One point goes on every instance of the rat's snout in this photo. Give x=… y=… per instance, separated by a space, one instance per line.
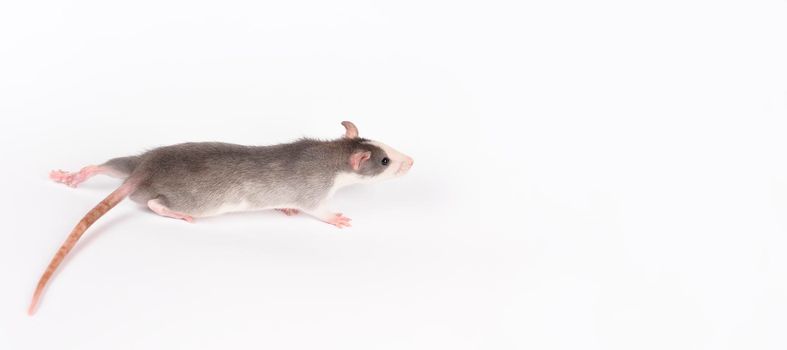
x=407 y=163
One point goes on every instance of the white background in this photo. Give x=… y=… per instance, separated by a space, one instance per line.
x=588 y=174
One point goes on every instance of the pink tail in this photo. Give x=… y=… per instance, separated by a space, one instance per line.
x=94 y=214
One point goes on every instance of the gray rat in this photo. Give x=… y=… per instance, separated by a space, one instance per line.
x=191 y=180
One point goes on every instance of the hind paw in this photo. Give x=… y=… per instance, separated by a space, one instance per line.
x=67 y=178
x=157 y=207
x=76 y=178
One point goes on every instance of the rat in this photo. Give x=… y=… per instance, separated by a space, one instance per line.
x=201 y=179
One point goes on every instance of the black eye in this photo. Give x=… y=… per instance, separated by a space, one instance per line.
x=386 y=161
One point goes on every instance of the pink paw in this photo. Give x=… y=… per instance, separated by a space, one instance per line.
x=339 y=220
x=64 y=177
x=178 y=215
x=289 y=211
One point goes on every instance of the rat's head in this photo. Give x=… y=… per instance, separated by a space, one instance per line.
x=375 y=160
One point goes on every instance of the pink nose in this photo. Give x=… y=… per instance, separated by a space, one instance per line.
x=408 y=163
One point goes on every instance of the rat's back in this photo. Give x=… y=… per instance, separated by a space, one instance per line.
x=211 y=178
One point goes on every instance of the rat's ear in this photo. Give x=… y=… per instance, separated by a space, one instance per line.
x=357 y=159
x=352 y=131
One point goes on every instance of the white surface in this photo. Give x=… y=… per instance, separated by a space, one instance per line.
x=588 y=175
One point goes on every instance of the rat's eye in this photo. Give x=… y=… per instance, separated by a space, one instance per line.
x=385 y=161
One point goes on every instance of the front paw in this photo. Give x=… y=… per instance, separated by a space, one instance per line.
x=339 y=220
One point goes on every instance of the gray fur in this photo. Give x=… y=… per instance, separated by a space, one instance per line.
x=123 y=165
x=198 y=178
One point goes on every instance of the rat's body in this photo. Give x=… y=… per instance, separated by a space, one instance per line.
x=191 y=180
